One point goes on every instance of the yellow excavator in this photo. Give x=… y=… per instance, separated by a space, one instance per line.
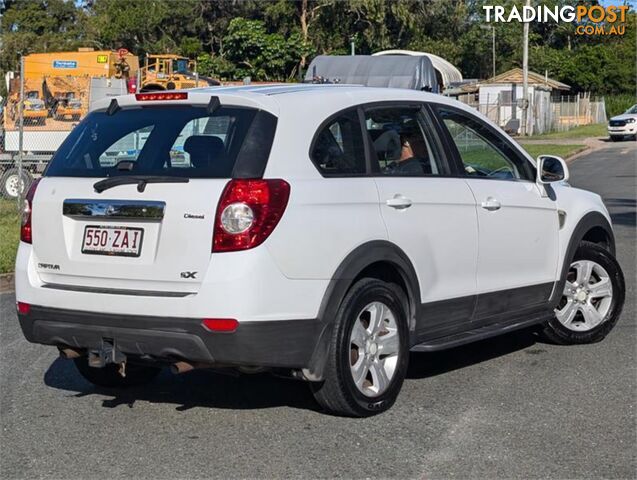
x=171 y=72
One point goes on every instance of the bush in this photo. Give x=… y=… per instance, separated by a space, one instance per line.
x=618 y=104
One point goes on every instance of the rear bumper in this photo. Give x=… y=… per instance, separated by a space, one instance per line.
x=281 y=343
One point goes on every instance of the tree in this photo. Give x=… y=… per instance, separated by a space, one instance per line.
x=275 y=40
x=39 y=26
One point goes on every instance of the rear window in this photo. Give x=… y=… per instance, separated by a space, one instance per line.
x=172 y=141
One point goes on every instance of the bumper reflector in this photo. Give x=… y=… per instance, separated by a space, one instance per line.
x=220 y=324
x=23 y=308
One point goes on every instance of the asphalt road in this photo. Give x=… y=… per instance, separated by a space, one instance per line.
x=509 y=407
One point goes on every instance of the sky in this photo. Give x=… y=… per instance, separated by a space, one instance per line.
x=608 y=3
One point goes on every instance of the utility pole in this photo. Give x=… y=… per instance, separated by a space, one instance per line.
x=352 y=42
x=525 y=76
x=492 y=27
x=493 y=47
x=20 y=132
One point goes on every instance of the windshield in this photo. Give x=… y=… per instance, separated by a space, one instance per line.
x=632 y=109
x=179 y=141
x=180 y=66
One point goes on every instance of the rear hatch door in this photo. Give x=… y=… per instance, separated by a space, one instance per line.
x=128 y=201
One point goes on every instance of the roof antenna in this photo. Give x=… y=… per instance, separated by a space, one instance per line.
x=213 y=105
x=113 y=108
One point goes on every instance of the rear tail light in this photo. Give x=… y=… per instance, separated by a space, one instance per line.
x=247 y=213
x=157 y=96
x=26 y=229
x=132 y=85
x=220 y=324
x=23 y=308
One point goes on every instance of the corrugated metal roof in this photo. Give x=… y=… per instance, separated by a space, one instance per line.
x=516 y=75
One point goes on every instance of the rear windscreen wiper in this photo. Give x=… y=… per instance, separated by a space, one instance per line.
x=141 y=181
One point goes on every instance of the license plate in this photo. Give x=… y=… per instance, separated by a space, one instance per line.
x=107 y=240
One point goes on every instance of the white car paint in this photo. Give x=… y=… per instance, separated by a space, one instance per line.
x=627 y=123
x=457 y=248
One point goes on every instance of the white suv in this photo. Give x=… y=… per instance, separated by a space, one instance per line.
x=318 y=231
x=624 y=125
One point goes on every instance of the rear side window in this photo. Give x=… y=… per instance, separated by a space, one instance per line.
x=400 y=144
x=338 y=147
x=176 y=141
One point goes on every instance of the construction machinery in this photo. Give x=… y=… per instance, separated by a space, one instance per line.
x=34 y=108
x=171 y=72
x=58 y=88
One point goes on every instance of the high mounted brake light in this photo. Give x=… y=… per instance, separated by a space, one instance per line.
x=160 y=96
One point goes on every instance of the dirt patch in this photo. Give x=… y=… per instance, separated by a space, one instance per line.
x=7 y=282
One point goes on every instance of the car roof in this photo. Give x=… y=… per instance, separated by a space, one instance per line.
x=303 y=89
x=276 y=98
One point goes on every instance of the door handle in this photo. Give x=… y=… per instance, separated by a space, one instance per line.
x=491 y=204
x=399 y=202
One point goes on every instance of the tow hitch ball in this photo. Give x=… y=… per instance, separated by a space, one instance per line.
x=107 y=353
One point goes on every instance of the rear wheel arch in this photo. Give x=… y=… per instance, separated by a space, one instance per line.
x=377 y=259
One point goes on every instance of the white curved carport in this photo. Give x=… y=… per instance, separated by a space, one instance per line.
x=448 y=72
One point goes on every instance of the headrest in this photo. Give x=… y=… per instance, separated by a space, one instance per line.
x=388 y=145
x=203 y=149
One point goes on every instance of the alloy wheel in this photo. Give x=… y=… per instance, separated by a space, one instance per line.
x=587 y=297
x=374 y=349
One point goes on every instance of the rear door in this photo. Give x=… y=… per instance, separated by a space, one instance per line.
x=156 y=232
x=518 y=224
x=429 y=214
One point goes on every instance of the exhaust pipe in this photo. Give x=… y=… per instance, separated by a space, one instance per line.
x=69 y=353
x=181 y=367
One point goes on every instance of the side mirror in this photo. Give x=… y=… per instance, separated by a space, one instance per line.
x=551 y=169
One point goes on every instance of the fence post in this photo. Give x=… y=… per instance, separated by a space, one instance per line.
x=20 y=133
x=578 y=109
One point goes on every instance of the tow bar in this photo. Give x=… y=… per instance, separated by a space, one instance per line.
x=107 y=353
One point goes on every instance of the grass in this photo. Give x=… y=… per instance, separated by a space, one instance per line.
x=560 y=150
x=9 y=234
x=596 y=130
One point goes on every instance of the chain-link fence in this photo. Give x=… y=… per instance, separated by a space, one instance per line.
x=32 y=130
x=545 y=114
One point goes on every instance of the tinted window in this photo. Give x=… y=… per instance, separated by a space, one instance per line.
x=338 y=147
x=483 y=152
x=401 y=145
x=176 y=141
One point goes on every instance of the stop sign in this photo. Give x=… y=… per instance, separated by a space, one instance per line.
x=122 y=52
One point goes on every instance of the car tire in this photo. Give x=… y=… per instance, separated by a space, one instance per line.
x=615 y=138
x=109 y=377
x=356 y=348
x=604 y=268
x=10 y=185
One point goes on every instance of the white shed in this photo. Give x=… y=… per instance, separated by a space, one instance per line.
x=500 y=97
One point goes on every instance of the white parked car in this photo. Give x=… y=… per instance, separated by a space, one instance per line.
x=319 y=231
x=624 y=125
